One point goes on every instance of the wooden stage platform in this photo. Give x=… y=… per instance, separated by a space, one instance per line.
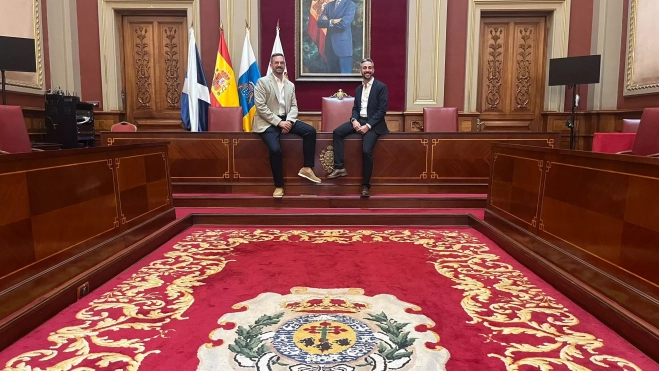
x=405 y=163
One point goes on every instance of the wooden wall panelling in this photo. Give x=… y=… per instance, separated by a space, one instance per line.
x=587 y=123
x=311 y=118
x=596 y=212
x=60 y=206
x=103 y=121
x=414 y=121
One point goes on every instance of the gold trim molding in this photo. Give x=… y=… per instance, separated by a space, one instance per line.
x=631 y=86
x=557 y=43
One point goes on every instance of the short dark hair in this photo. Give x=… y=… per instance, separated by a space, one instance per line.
x=367 y=60
x=276 y=55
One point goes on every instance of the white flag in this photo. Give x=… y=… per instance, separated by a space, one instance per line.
x=195 y=97
x=277 y=48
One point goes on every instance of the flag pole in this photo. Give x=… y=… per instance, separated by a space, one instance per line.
x=277 y=23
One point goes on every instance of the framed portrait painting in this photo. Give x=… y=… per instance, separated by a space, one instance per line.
x=331 y=38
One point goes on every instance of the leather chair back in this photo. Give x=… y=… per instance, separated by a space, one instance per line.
x=13 y=133
x=630 y=125
x=335 y=112
x=123 y=127
x=440 y=119
x=647 y=135
x=225 y=119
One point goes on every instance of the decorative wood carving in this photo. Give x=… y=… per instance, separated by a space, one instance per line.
x=341 y=94
x=524 y=69
x=172 y=68
x=143 y=80
x=512 y=74
x=154 y=61
x=494 y=69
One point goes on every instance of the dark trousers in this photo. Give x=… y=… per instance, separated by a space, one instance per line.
x=368 y=143
x=336 y=64
x=271 y=138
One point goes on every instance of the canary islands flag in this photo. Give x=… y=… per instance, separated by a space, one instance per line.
x=224 y=88
x=277 y=48
x=249 y=75
x=195 y=98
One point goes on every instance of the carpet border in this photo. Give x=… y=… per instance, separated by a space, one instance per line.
x=635 y=330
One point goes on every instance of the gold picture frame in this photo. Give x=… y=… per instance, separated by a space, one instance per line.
x=642 y=69
x=26 y=81
x=312 y=64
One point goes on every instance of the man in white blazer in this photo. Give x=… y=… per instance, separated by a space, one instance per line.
x=276 y=113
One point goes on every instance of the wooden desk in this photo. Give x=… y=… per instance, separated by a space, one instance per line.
x=404 y=162
x=594 y=216
x=64 y=214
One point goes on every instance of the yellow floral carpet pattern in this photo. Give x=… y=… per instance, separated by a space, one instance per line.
x=121 y=328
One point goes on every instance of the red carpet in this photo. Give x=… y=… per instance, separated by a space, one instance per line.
x=184 y=211
x=404 y=299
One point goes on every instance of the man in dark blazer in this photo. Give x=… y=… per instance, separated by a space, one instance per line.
x=337 y=19
x=368 y=120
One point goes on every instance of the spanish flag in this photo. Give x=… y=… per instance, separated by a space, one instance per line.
x=224 y=90
x=317 y=34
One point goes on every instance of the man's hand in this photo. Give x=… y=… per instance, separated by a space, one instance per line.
x=363 y=129
x=355 y=124
x=335 y=21
x=285 y=126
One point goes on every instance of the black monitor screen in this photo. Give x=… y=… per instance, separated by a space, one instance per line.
x=17 y=54
x=575 y=70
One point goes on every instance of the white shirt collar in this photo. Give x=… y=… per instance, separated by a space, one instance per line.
x=369 y=83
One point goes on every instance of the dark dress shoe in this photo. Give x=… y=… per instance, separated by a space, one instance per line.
x=366 y=193
x=337 y=173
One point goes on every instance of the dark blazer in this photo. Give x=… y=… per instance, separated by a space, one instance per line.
x=376 y=108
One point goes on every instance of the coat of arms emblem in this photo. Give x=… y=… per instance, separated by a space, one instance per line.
x=323 y=330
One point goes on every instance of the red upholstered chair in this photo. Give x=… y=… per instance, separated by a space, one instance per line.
x=647 y=135
x=630 y=125
x=617 y=142
x=123 y=127
x=613 y=142
x=440 y=119
x=13 y=133
x=225 y=119
x=336 y=110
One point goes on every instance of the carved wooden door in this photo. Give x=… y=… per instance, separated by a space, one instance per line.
x=512 y=73
x=154 y=63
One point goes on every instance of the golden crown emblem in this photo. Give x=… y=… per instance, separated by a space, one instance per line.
x=326 y=305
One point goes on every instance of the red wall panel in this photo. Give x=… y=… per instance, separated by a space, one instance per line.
x=581 y=30
x=388 y=51
x=456 y=49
